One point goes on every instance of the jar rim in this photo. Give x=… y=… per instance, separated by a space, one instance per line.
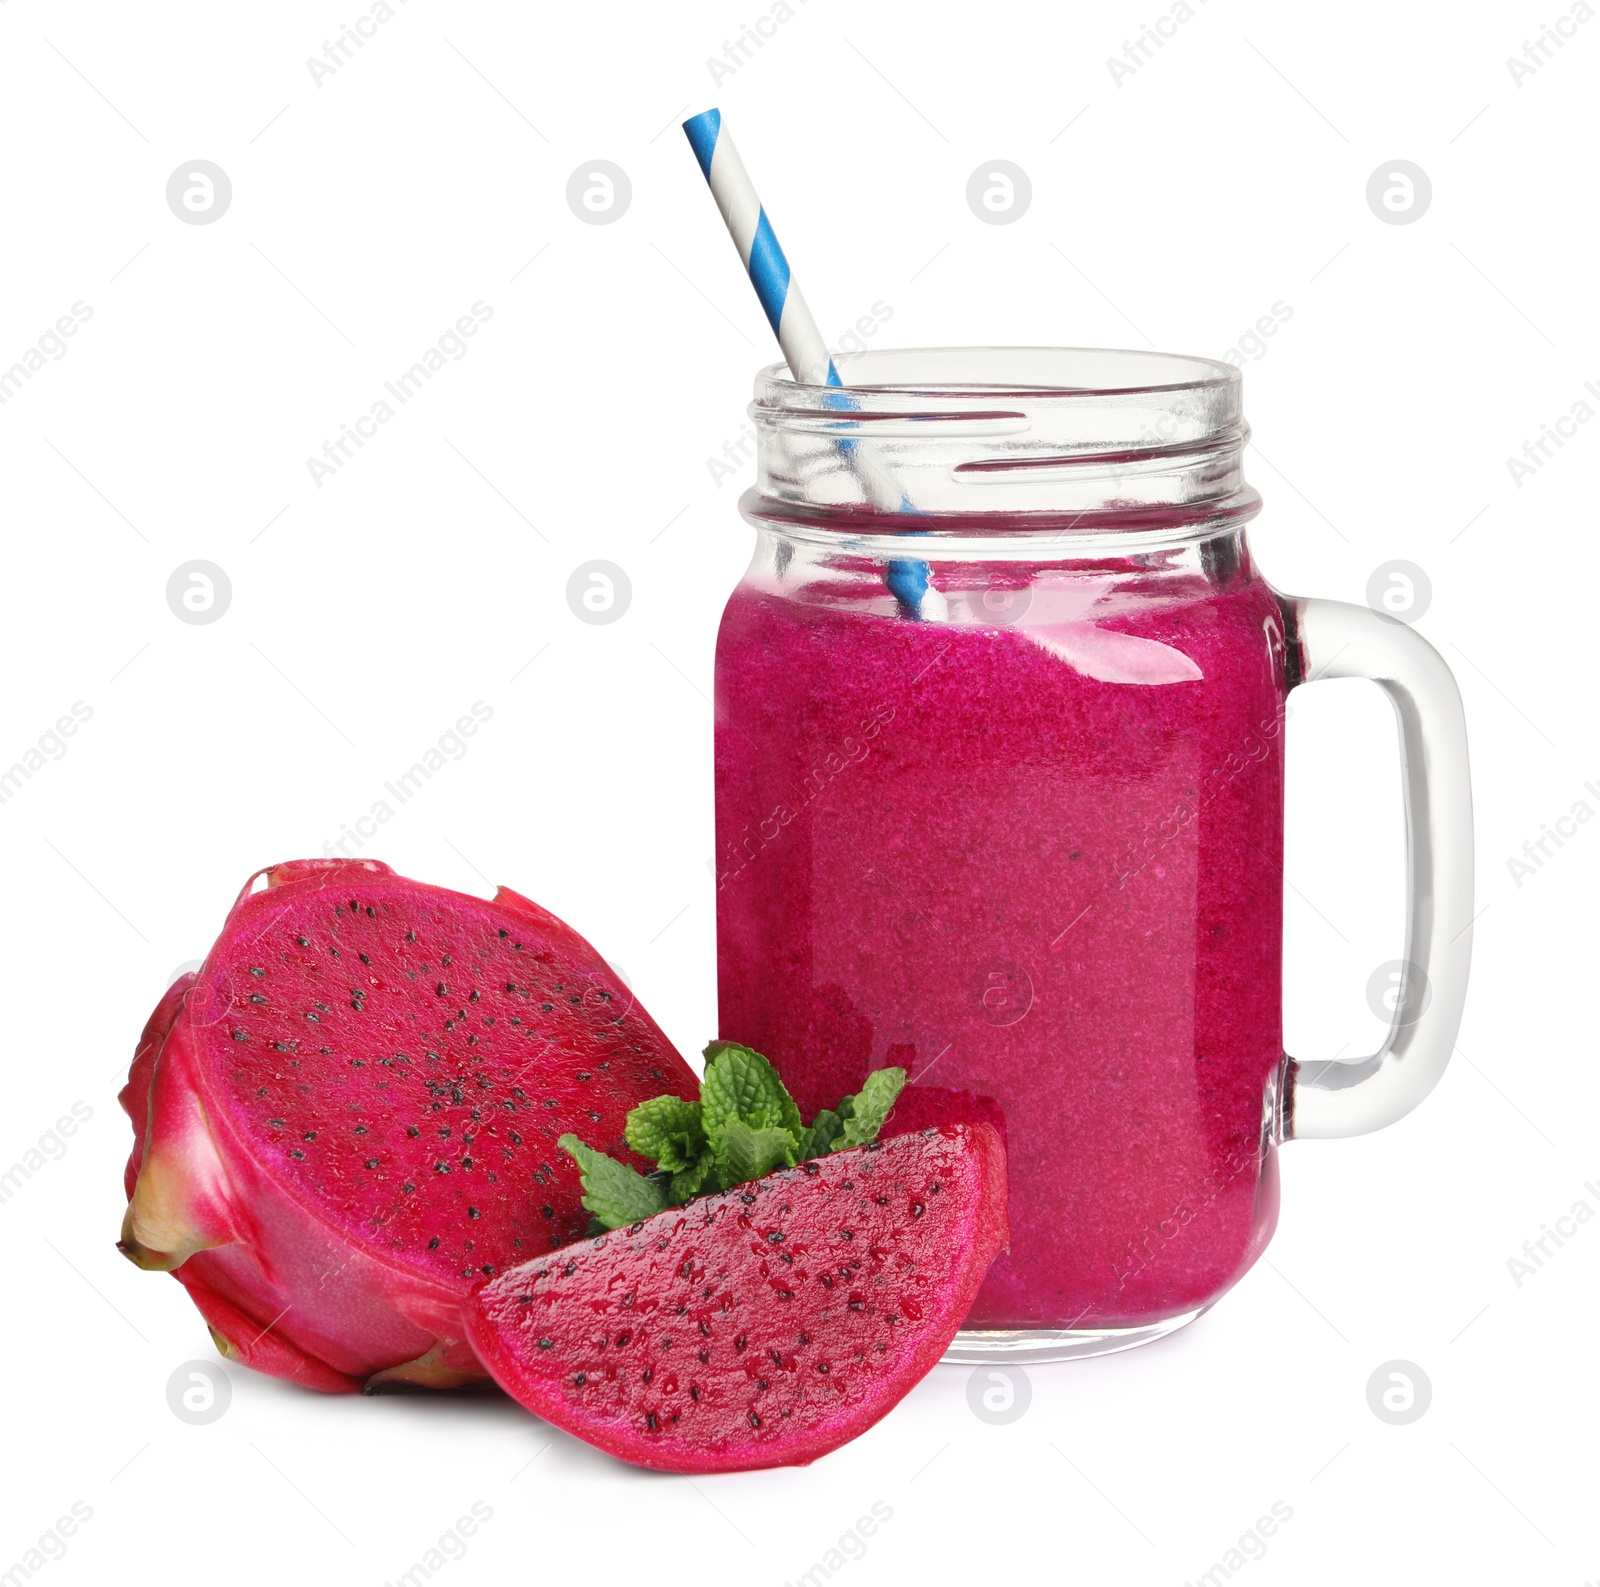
x=876 y=377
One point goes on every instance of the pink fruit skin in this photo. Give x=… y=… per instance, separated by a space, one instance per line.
x=287 y=1286
x=688 y=1342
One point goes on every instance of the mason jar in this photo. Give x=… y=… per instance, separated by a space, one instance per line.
x=1000 y=800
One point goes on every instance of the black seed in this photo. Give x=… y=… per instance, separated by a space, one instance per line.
x=546 y=1342
x=363 y=958
x=433 y=1244
x=413 y=1131
x=466 y=1162
x=504 y=932
x=360 y=1129
x=774 y=1237
x=650 y=1421
x=372 y=1162
x=822 y=1366
x=297 y=1154
x=515 y=1139
x=441 y=1168
x=238 y=1035
x=304 y=942
x=256 y=997
x=472 y=1212
x=310 y=1135
x=277 y=1124
x=578 y=1380
x=372 y=914
x=255 y=969
x=407 y=1188
x=411 y=936
x=441 y=989
x=809 y=1168
x=755 y=1421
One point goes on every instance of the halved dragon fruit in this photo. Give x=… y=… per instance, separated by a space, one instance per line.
x=348 y=1117
x=765 y=1325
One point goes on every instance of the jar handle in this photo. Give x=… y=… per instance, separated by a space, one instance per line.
x=1351 y=1097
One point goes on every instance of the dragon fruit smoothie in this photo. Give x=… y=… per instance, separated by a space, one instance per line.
x=1037 y=862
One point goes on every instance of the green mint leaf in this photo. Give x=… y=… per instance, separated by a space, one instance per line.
x=740 y=1084
x=667 y=1130
x=869 y=1107
x=616 y=1194
x=743 y=1153
x=818 y=1141
x=695 y=1177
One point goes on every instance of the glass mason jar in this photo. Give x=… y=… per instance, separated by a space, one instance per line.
x=1000 y=799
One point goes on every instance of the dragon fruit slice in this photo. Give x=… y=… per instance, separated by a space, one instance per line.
x=348 y=1117
x=763 y=1326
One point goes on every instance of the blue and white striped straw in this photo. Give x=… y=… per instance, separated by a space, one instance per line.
x=804 y=350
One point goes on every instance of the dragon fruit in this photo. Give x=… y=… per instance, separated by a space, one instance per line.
x=762 y=1326
x=347 y=1118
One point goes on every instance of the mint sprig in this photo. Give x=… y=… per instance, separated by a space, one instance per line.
x=744 y=1126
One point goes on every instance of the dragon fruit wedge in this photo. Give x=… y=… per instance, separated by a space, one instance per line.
x=347 y=1118
x=764 y=1325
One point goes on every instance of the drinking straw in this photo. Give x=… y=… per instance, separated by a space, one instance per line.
x=803 y=348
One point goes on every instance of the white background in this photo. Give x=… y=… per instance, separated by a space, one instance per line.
x=1226 y=174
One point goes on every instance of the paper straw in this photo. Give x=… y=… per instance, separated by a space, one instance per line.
x=804 y=350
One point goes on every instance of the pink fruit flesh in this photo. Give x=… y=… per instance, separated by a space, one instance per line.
x=764 y=1326
x=349 y=1116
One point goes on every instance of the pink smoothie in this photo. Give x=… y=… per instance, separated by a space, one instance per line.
x=1037 y=863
